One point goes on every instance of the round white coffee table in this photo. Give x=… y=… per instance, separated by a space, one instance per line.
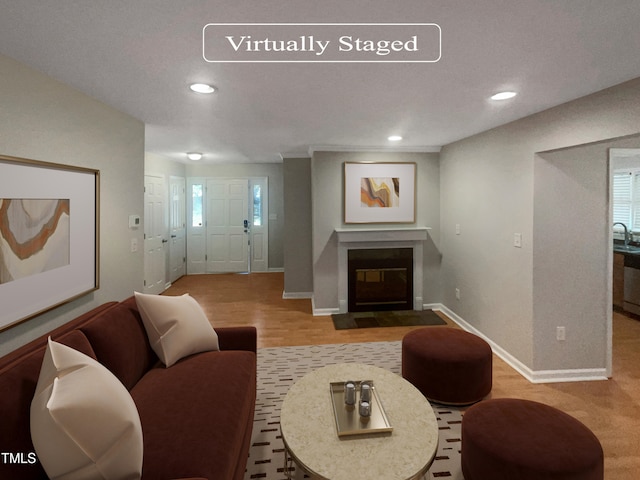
x=310 y=436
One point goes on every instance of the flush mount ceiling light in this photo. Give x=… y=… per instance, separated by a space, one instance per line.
x=202 y=88
x=394 y=138
x=194 y=156
x=503 y=95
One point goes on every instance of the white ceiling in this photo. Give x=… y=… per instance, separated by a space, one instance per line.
x=139 y=56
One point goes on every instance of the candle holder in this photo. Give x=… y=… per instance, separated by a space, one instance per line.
x=358 y=410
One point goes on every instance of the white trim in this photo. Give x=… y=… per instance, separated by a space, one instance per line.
x=539 y=376
x=373 y=149
x=274 y=270
x=322 y=312
x=295 y=295
x=380 y=234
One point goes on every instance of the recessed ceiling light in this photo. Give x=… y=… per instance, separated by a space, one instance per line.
x=202 y=88
x=394 y=138
x=503 y=95
x=194 y=156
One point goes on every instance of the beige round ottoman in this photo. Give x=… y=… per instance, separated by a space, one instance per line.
x=447 y=365
x=508 y=438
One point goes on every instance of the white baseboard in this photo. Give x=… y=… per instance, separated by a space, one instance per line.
x=296 y=295
x=275 y=270
x=534 y=376
x=322 y=312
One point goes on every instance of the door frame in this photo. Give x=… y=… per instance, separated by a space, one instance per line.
x=196 y=235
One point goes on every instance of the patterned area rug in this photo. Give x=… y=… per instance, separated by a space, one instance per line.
x=280 y=368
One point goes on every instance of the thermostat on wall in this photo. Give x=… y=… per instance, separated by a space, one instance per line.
x=134 y=221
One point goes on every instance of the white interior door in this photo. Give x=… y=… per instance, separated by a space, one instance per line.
x=177 y=229
x=227 y=209
x=154 y=234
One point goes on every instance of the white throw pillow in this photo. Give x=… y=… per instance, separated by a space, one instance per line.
x=84 y=423
x=176 y=326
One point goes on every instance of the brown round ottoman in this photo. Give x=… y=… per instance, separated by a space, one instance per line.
x=508 y=439
x=447 y=365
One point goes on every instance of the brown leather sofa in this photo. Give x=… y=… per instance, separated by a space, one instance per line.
x=196 y=416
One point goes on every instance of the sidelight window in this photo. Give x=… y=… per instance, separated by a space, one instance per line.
x=197 y=200
x=257 y=205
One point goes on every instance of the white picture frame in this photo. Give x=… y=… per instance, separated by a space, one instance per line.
x=376 y=192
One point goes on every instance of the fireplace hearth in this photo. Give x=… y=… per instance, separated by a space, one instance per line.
x=380 y=279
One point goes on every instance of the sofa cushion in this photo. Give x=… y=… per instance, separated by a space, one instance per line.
x=120 y=342
x=194 y=415
x=176 y=325
x=84 y=423
x=18 y=379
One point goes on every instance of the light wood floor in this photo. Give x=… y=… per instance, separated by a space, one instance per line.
x=611 y=409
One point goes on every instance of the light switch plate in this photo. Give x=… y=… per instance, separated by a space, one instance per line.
x=517 y=240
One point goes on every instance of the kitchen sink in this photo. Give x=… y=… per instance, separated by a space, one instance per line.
x=626 y=249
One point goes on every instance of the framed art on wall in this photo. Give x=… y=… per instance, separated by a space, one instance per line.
x=48 y=236
x=379 y=192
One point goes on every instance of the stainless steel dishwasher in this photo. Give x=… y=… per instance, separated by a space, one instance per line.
x=632 y=283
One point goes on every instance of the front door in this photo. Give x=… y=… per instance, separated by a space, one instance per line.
x=227 y=243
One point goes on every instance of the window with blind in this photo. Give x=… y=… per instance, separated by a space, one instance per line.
x=626 y=199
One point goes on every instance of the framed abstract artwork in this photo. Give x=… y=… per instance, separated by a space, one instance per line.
x=379 y=192
x=48 y=236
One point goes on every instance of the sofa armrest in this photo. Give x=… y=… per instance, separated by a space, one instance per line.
x=237 y=338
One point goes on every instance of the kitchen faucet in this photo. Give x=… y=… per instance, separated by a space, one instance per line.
x=626 y=233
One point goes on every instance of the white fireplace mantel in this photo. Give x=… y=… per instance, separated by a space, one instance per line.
x=358 y=238
x=381 y=234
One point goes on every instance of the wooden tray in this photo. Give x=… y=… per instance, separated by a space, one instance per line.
x=349 y=421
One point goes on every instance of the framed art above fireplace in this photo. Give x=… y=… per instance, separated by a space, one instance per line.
x=379 y=192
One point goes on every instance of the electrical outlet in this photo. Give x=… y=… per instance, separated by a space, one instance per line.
x=457 y=294
x=134 y=245
x=457 y=229
x=561 y=334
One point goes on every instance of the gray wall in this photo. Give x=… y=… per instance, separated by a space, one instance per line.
x=327 y=215
x=494 y=184
x=298 y=265
x=45 y=120
x=273 y=171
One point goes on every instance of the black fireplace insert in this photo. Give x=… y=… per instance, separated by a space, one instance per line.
x=380 y=279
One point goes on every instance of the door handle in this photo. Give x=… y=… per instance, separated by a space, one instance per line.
x=164 y=241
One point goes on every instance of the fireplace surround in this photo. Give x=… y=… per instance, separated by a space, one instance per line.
x=381 y=238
